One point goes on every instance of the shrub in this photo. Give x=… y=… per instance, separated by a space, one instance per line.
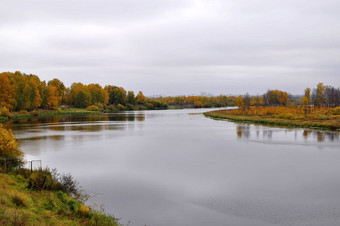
x=111 y=107
x=47 y=179
x=121 y=107
x=42 y=180
x=92 y=108
x=4 y=112
x=100 y=106
x=336 y=111
x=129 y=107
x=9 y=149
x=149 y=106
x=22 y=112
x=23 y=172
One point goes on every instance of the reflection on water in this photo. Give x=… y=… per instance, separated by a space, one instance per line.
x=176 y=168
x=244 y=131
x=51 y=130
x=72 y=122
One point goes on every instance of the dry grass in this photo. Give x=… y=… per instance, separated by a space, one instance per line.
x=323 y=118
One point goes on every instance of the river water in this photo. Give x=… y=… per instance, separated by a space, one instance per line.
x=177 y=167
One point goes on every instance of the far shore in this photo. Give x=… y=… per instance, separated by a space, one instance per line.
x=272 y=121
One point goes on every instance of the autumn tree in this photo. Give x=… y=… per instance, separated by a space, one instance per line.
x=60 y=89
x=275 y=98
x=239 y=102
x=80 y=96
x=9 y=148
x=6 y=92
x=98 y=94
x=140 y=98
x=319 y=95
x=117 y=95
x=31 y=93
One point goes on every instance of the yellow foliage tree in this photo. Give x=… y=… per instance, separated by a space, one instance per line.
x=53 y=99
x=6 y=92
x=239 y=102
x=140 y=98
x=9 y=148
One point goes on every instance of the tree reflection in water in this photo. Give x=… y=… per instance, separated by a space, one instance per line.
x=244 y=131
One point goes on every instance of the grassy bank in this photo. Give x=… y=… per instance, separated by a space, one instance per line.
x=329 y=123
x=22 y=206
x=41 y=112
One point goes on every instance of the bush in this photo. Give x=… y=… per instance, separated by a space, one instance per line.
x=9 y=149
x=47 y=179
x=24 y=172
x=100 y=106
x=42 y=180
x=92 y=108
x=121 y=107
x=149 y=106
x=336 y=111
x=129 y=107
x=4 y=112
x=111 y=107
x=22 y=112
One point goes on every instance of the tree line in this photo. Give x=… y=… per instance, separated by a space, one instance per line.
x=320 y=96
x=19 y=91
x=199 y=101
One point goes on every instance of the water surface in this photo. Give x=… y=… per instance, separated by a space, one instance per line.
x=177 y=167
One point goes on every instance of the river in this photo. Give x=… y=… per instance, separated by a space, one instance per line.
x=177 y=167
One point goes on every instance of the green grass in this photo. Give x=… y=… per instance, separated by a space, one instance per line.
x=3 y=118
x=69 y=111
x=21 y=206
x=40 y=112
x=271 y=121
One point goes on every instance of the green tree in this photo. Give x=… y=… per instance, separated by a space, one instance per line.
x=131 y=99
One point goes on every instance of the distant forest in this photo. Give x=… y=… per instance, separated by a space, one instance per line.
x=19 y=91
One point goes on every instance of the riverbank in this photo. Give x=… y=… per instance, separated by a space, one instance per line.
x=328 y=124
x=42 y=112
x=20 y=205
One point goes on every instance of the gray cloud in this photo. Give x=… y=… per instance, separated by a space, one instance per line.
x=175 y=47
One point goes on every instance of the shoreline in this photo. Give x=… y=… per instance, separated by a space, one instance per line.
x=17 y=116
x=271 y=121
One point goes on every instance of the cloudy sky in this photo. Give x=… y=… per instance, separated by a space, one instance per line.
x=175 y=47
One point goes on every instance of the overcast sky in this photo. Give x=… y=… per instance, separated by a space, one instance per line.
x=175 y=47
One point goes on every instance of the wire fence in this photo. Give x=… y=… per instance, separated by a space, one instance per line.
x=12 y=163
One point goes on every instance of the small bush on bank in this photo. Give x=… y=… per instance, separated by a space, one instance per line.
x=129 y=107
x=121 y=107
x=4 y=112
x=42 y=180
x=100 y=106
x=111 y=107
x=92 y=108
x=51 y=180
